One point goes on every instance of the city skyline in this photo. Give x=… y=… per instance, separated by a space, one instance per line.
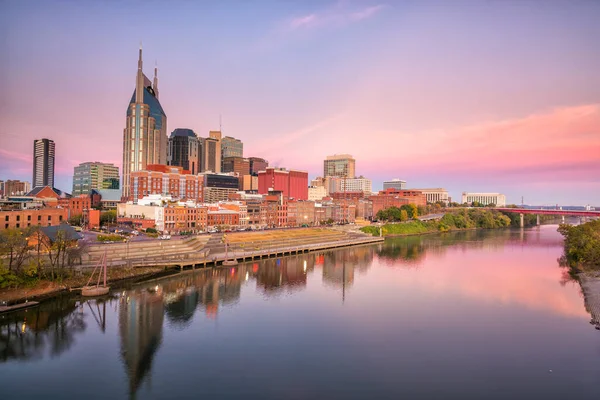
x=477 y=107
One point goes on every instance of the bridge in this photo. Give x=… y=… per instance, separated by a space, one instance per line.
x=538 y=212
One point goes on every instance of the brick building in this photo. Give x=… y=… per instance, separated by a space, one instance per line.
x=166 y=180
x=396 y=198
x=27 y=218
x=293 y=184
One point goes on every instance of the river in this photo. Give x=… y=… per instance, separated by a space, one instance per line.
x=465 y=315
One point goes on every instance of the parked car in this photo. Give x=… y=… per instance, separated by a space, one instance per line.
x=135 y=233
x=165 y=237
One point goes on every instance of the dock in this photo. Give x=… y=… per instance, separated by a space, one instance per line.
x=210 y=250
x=20 y=306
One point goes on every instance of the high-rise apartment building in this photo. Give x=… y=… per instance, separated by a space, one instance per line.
x=145 y=133
x=184 y=150
x=394 y=184
x=211 y=152
x=94 y=175
x=257 y=164
x=341 y=165
x=43 y=163
x=232 y=147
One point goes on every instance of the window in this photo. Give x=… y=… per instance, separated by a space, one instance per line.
x=5 y=226
x=39 y=217
x=6 y=218
x=60 y=217
x=18 y=225
x=29 y=218
x=49 y=217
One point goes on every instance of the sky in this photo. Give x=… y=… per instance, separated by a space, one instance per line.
x=480 y=96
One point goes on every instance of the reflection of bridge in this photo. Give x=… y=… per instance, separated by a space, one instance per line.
x=538 y=212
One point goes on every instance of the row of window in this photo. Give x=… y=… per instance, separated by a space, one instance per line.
x=6 y=226
x=39 y=218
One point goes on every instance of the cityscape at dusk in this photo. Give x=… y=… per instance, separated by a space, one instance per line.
x=300 y=199
x=489 y=97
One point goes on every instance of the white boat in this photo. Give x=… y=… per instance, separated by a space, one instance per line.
x=97 y=290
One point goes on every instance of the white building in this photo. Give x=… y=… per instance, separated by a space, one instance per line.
x=484 y=198
x=316 y=193
x=435 y=195
x=360 y=184
x=154 y=212
x=394 y=184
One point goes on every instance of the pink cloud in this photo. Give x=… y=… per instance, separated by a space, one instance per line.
x=334 y=16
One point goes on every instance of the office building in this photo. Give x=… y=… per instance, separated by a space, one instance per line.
x=184 y=150
x=211 y=152
x=231 y=147
x=435 y=195
x=249 y=183
x=166 y=180
x=499 y=200
x=96 y=176
x=218 y=187
x=257 y=164
x=239 y=165
x=316 y=193
x=14 y=188
x=145 y=133
x=340 y=165
x=43 y=163
x=291 y=183
x=397 y=184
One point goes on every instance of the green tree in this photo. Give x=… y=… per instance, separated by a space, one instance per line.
x=14 y=245
x=403 y=215
x=108 y=217
x=75 y=220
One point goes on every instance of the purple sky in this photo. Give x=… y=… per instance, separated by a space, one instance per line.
x=470 y=96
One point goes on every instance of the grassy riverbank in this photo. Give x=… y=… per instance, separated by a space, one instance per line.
x=42 y=289
x=453 y=221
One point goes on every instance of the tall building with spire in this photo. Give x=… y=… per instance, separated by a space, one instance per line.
x=145 y=133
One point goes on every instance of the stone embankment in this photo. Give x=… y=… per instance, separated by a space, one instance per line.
x=590 y=285
x=203 y=250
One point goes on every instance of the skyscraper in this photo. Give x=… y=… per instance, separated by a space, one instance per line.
x=340 y=165
x=94 y=175
x=184 y=150
x=211 y=152
x=231 y=147
x=145 y=133
x=43 y=163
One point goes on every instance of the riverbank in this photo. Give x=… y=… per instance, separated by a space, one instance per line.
x=455 y=220
x=146 y=260
x=590 y=286
x=44 y=289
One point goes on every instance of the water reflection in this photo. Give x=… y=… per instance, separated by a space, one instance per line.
x=141 y=314
x=516 y=267
x=48 y=329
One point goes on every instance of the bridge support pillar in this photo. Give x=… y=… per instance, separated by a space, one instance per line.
x=522 y=224
x=538 y=220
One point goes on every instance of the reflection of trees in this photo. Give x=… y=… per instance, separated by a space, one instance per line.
x=51 y=327
x=408 y=251
x=339 y=265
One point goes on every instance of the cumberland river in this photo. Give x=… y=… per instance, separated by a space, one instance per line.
x=467 y=315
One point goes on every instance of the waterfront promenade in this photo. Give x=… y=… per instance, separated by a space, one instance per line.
x=212 y=250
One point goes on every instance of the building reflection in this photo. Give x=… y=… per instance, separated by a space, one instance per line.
x=141 y=314
x=51 y=327
x=274 y=276
x=339 y=266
